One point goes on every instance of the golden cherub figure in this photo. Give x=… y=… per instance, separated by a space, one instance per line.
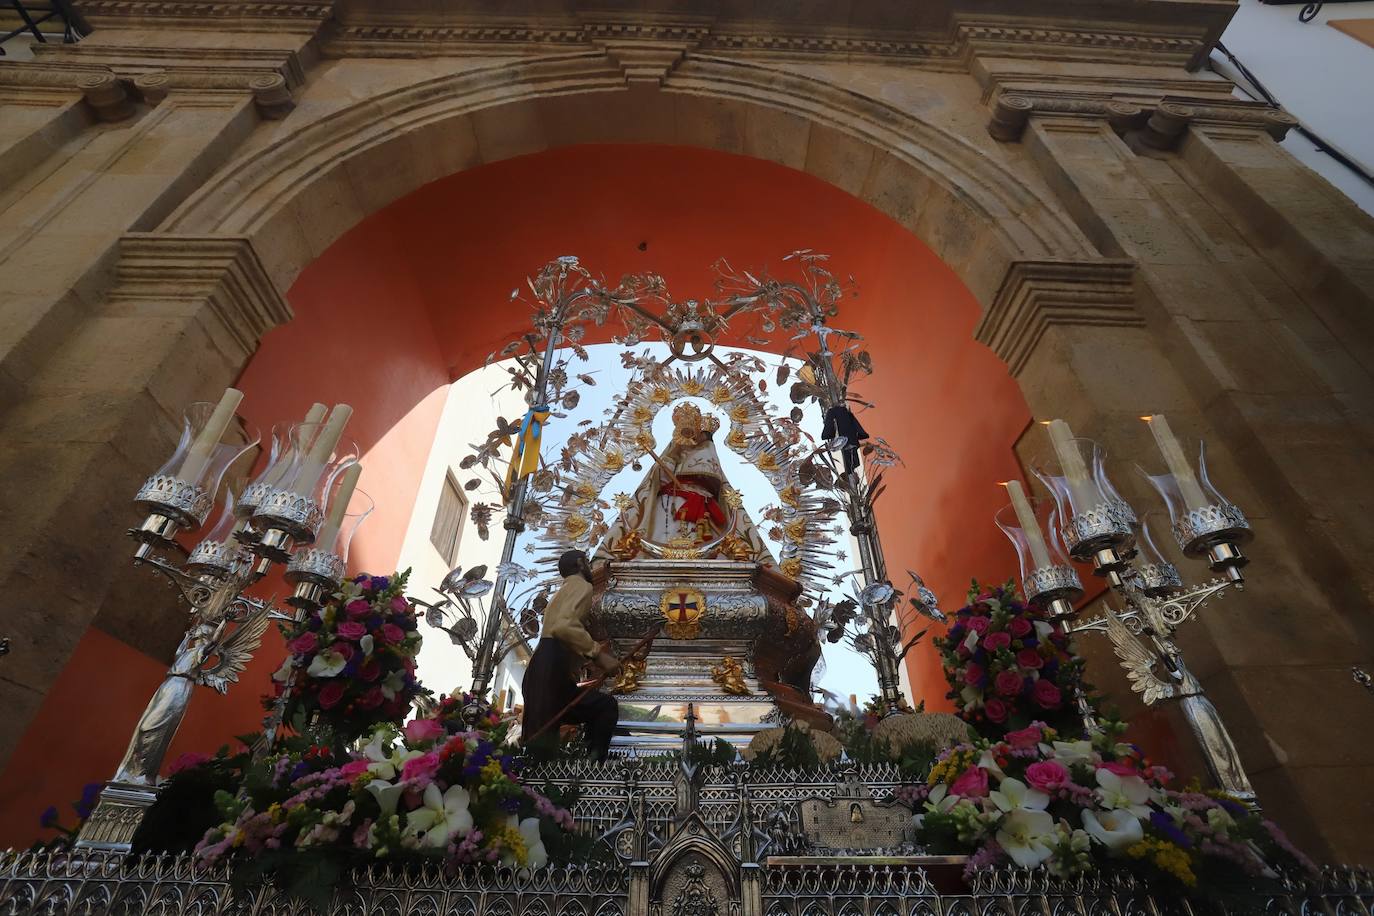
x=631 y=675
x=729 y=674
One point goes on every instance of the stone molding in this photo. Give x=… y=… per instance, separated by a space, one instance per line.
x=1037 y=295
x=223 y=271
x=196 y=68
x=299 y=15
x=1162 y=123
x=948 y=49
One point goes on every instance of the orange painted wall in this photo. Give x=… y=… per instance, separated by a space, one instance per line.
x=418 y=294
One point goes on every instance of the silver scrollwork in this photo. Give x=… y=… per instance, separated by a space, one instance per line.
x=1199 y=529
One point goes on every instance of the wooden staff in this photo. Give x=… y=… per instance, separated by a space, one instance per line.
x=642 y=646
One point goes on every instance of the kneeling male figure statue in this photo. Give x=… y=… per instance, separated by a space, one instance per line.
x=565 y=646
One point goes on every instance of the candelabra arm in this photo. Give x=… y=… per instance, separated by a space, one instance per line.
x=1179 y=608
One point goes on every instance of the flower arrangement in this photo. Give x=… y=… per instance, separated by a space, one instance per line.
x=1008 y=664
x=1073 y=807
x=352 y=662
x=446 y=788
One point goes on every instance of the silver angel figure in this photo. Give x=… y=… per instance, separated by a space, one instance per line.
x=213 y=653
x=1140 y=661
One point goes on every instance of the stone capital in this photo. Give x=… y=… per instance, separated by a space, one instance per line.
x=223 y=271
x=1037 y=295
x=1161 y=121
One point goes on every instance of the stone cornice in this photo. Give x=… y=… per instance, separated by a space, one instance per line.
x=223 y=271
x=1037 y=295
x=946 y=48
x=200 y=67
x=209 y=15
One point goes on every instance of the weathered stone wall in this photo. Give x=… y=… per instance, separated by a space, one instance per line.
x=1138 y=240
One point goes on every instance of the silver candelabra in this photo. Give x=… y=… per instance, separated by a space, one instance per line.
x=1088 y=519
x=301 y=511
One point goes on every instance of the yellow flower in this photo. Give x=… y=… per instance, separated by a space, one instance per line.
x=1167 y=857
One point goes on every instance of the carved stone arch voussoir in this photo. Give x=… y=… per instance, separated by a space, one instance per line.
x=294 y=197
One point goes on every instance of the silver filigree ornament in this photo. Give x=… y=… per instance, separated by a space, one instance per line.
x=187 y=504
x=1045 y=584
x=1198 y=530
x=1099 y=528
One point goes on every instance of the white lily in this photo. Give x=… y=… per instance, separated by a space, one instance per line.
x=971 y=640
x=536 y=856
x=1026 y=836
x=367 y=644
x=1042 y=630
x=1013 y=794
x=383 y=764
x=1114 y=829
x=326 y=664
x=1071 y=752
x=1129 y=793
x=392 y=684
x=972 y=696
x=388 y=795
x=440 y=816
x=989 y=763
x=1221 y=821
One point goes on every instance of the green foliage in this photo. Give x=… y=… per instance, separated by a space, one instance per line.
x=793 y=750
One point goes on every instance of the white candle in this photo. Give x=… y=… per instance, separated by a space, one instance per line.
x=309 y=428
x=198 y=456
x=1035 y=538
x=1081 y=485
x=329 y=531
x=319 y=453
x=1178 y=464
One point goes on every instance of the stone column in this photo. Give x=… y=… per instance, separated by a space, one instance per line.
x=102 y=413
x=106 y=333
x=1212 y=330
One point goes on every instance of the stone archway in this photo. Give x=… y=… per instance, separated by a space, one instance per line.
x=978 y=214
x=1234 y=292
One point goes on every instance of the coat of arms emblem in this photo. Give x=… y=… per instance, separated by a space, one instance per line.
x=682 y=609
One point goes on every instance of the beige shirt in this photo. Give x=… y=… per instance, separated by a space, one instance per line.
x=565 y=617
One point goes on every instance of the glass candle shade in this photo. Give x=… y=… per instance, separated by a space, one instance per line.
x=1158 y=574
x=1038 y=547
x=316 y=571
x=1089 y=507
x=344 y=457
x=279 y=457
x=219 y=551
x=182 y=491
x=1201 y=516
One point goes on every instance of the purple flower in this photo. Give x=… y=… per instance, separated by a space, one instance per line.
x=1164 y=824
x=90 y=794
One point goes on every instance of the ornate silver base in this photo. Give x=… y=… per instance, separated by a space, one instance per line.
x=116 y=817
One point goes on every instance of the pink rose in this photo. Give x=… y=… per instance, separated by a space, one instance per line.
x=391 y=633
x=370 y=670
x=996 y=710
x=1046 y=694
x=1008 y=683
x=1019 y=627
x=1029 y=658
x=999 y=640
x=372 y=699
x=353 y=769
x=358 y=607
x=962 y=651
x=187 y=761
x=343 y=649
x=331 y=694
x=419 y=731
x=1119 y=768
x=1024 y=738
x=303 y=644
x=352 y=630
x=973 y=673
x=421 y=769
x=1047 y=775
x=972 y=783
x=978 y=624
x=400 y=605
